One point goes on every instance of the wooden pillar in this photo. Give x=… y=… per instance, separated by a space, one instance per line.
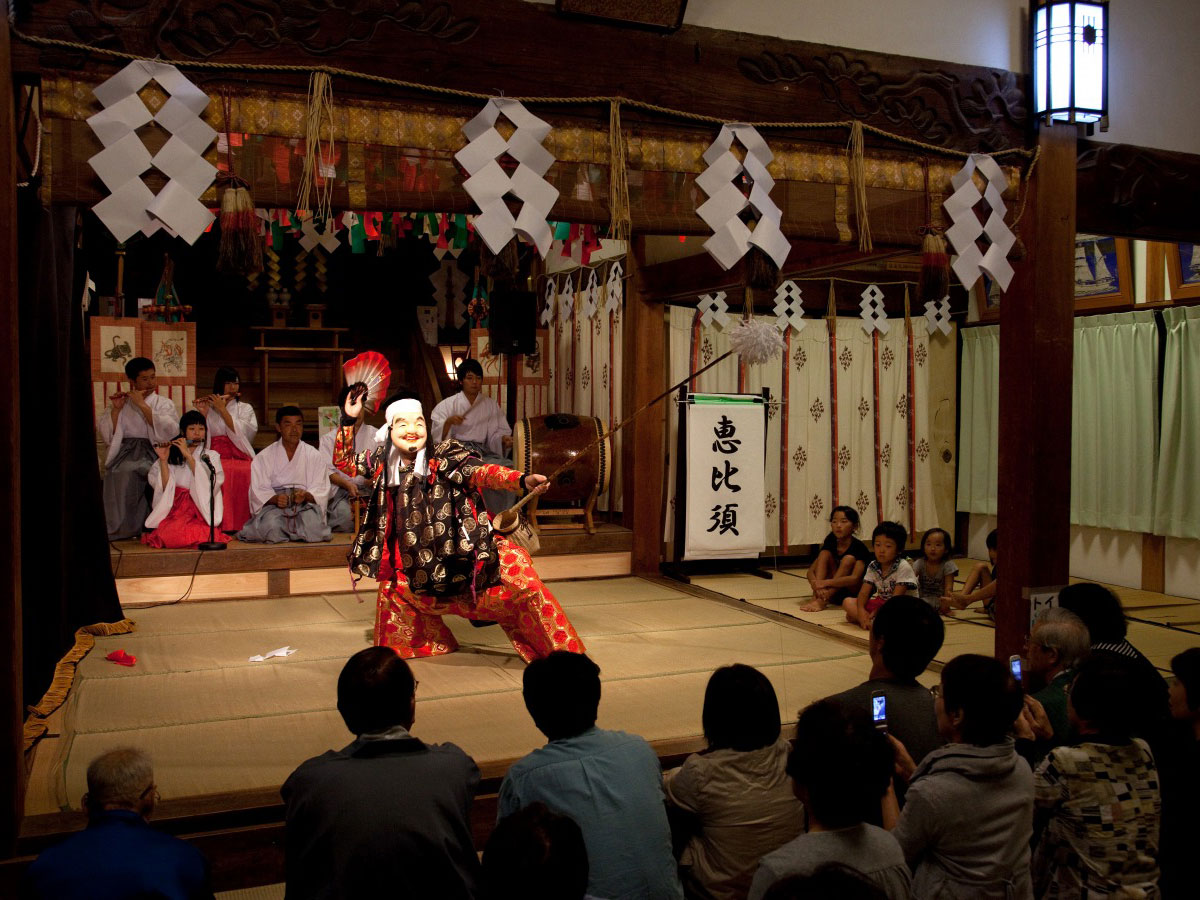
x=1036 y=348
x=643 y=450
x=12 y=766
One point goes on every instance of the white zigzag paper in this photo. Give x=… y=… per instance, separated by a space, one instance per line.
x=966 y=230
x=874 y=317
x=713 y=308
x=789 y=309
x=615 y=293
x=937 y=314
x=487 y=183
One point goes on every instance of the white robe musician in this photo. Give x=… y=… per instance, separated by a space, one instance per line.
x=289 y=487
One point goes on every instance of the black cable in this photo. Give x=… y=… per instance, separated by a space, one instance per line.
x=185 y=594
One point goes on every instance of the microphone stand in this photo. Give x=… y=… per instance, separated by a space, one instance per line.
x=212 y=543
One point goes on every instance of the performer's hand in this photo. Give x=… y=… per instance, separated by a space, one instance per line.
x=536 y=484
x=506 y=442
x=352 y=490
x=182 y=444
x=139 y=398
x=305 y=497
x=904 y=761
x=161 y=450
x=354 y=400
x=283 y=501
x=217 y=401
x=451 y=421
x=202 y=404
x=118 y=400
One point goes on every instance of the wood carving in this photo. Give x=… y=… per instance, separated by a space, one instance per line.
x=200 y=30
x=527 y=49
x=1137 y=192
x=935 y=103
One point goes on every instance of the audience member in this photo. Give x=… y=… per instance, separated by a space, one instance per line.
x=289 y=487
x=1101 y=796
x=118 y=855
x=838 y=808
x=1101 y=612
x=934 y=569
x=738 y=789
x=905 y=637
x=837 y=572
x=187 y=493
x=1179 y=766
x=477 y=422
x=346 y=488
x=831 y=881
x=889 y=575
x=387 y=814
x=1058 y=643
x=232 y=428
x=980 y=584
x=968 y=819
x=536 y=854
x=609 y=782
x=133 y=423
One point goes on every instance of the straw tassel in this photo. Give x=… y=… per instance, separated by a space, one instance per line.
x=858 y=182
x=935 y=268
x=620 y=221
x=319 y=115
x=241 y=247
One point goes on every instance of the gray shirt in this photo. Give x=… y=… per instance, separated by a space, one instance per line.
x=966 y=824
x=865 y=848
x=910 y=715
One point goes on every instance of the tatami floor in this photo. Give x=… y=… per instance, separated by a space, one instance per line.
x=215 y=722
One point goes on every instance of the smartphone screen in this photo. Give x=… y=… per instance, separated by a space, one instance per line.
x=1014 y=665
x=879 y=710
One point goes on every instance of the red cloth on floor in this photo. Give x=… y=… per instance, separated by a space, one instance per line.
x=184 y=527
x=235 y=493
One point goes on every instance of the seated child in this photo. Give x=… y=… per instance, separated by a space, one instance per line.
x=186 y=493
x=887 y=576
x=935 y=573
x=980 y=584
x=837 y=572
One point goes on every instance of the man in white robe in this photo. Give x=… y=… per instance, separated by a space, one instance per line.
x=289 y=487
x=339 y=513
x=130 y=426
x=478 y=423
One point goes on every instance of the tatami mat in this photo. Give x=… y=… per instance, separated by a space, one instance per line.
x=214 y=722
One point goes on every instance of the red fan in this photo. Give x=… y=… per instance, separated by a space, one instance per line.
x=372 y=369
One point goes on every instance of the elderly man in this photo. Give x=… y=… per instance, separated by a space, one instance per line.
x=478 y=423
x=118 y=855
x=387 y=815
x=1058 y=643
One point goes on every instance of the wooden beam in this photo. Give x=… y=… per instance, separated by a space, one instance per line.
x=12 y=707
x=1137 y=192
x=643 y=449
x=1036 y=347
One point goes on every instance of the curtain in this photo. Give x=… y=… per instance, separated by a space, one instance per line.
x=1177 y=493
x=65 y=566
x=978 y=419
x=848 y=422
x=1114 y=421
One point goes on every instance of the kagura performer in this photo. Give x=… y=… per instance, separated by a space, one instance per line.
x=427 y=539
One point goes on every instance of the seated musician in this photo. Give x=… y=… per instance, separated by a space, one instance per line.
x=289 y=487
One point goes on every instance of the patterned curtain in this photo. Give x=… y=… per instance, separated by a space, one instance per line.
x=848 y=422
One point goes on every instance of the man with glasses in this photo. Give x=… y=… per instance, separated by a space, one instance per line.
x=119 y=854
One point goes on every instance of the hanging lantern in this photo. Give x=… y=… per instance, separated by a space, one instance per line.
x=1070 y=61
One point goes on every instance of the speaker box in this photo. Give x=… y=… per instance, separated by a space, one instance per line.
x=513 y=322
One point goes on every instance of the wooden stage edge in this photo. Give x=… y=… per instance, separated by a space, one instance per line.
x=146 y=576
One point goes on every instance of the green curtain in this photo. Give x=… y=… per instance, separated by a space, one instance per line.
x=1177 y=494
x=1114 y=421
x=979 y=419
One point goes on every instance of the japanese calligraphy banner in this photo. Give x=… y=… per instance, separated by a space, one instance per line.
x=726 y=477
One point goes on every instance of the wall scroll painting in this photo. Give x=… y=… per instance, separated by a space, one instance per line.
x=1183 y=270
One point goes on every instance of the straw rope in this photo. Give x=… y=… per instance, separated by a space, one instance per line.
x=319 y=114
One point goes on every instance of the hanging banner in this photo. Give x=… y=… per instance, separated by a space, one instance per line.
x=726 y=446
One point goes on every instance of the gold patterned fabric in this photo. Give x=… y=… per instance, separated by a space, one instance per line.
x=400 y=157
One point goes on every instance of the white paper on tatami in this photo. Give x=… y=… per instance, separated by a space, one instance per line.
x=726 y=481
x=131 y=206
x=967 y=229
x=732 y=238
x=488 y=183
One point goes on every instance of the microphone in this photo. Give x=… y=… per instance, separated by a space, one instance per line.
x=208 y=462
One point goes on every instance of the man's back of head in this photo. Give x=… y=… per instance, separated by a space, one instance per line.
x=562 y=694
x=376 y=691
x=906 y=634
x=120 y=779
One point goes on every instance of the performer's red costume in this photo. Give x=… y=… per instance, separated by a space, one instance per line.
x=410 y=622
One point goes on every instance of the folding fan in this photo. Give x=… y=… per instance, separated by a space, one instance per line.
x=372 y=369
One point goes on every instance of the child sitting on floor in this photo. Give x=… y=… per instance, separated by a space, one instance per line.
x=980 y=584
x=935 y=573
x=837 y=572
x=887 y=576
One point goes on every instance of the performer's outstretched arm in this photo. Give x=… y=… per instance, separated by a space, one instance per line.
x=489 y=476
